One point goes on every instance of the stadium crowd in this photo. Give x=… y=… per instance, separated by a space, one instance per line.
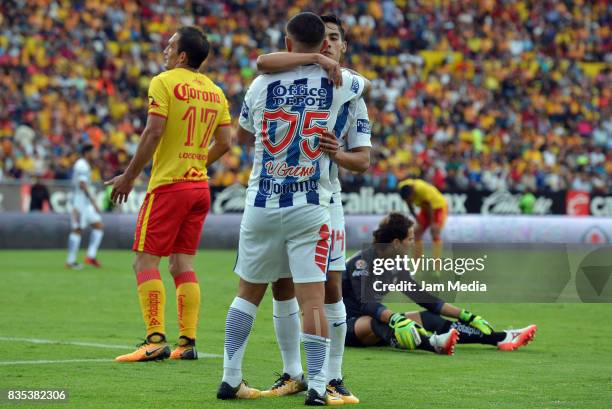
x=479 y=94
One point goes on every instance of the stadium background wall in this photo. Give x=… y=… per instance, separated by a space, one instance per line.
x=364 y=200
x=49 y=230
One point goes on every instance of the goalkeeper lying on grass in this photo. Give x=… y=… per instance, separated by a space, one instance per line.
x=371 y=323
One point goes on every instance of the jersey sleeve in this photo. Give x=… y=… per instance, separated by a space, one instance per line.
x=246 y=113
x=359 y=131
x=158 y=98
x=226 y=118
x=352 y=86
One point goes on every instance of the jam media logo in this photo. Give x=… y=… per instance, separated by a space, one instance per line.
x=363 y=126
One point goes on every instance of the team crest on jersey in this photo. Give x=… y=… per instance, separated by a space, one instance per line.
x=153 y=103
x=360 y=268
x=355 y=85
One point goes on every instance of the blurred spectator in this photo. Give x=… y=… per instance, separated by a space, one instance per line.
x=479 y=94
x=39 y=196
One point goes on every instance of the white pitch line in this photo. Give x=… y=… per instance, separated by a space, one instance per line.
x=86 y=344
x=57 y=342
x=45 y=361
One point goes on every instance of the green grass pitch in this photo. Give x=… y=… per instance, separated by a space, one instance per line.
x=569 y=365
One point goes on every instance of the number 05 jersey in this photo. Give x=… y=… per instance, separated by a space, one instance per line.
x=193 y=107
x=287 y=112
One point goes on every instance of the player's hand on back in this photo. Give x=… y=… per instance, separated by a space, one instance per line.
x=122 y=186
x=333 y=68
x=329 y=143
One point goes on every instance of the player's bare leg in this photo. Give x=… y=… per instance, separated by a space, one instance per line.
x=238 y=325
x=97 y=233
x=287 y=328
x=187 y=304
x=436 y=236
x=152 y=298
x=336 y=316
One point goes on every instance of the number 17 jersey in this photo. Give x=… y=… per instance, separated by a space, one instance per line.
x=193 y=107
x=287 y=112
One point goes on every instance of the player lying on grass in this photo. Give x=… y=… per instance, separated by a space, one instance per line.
x=348 y=145
x=371 y=323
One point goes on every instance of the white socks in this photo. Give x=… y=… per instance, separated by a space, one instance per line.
x=238 y=324
x=94 y=242
x=287 y=327
x=317 y=361
x=336 y=320
x=74 y=242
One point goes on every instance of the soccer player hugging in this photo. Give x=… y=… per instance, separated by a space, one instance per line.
x=295 y=115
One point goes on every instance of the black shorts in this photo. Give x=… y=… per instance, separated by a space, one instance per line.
x=351 y=339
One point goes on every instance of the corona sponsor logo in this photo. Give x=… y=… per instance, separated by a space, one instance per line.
x=183 y=92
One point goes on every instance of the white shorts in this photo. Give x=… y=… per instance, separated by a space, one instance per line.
x=337 y=258
x=284 y=242
x=84 y=216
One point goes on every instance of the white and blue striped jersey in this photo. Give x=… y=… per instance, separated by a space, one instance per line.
x=286 y=112
x=353 y=131
x=81 y=172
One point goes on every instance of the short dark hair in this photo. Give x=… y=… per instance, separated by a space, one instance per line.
x=332 y=18
x=306 y=28
x=406 y=191
x=86 y=148
x=193 y=42
x=393 y=226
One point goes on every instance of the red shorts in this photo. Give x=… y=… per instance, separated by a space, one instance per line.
x=171 y=219
x=439 y=218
